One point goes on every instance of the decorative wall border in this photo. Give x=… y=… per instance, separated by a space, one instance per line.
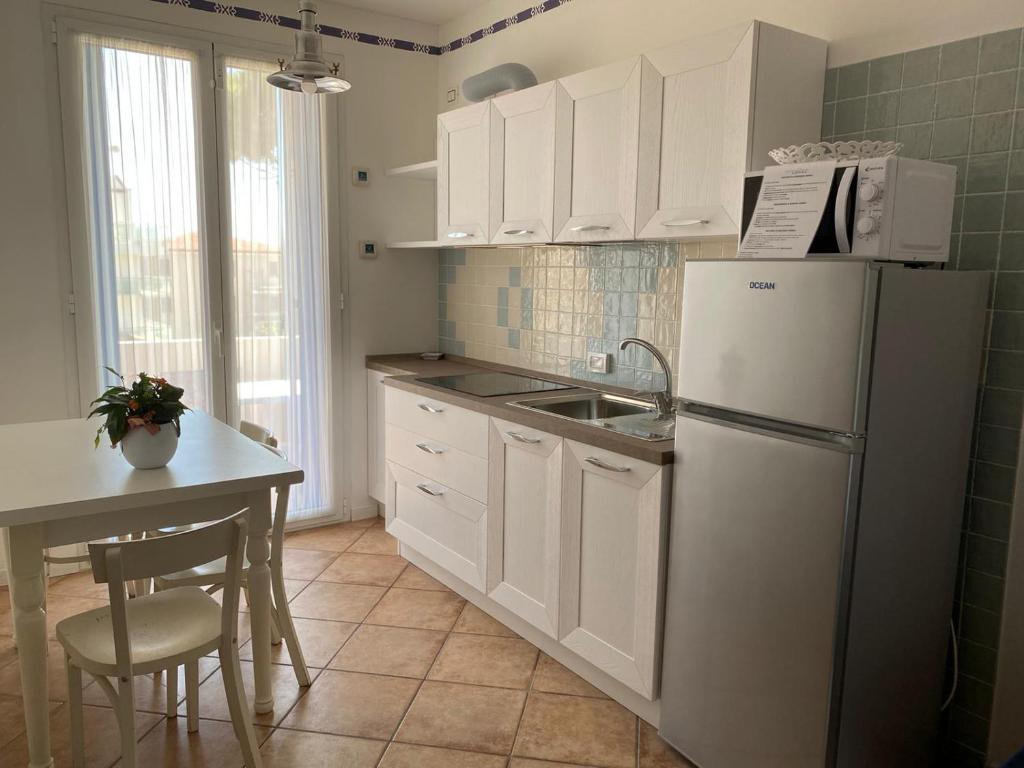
x=327 y=30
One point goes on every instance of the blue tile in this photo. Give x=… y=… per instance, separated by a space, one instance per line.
x=527 y=320
x=627 y=326
x=648 y=259
x=526 y=298
x=503 y=297
x=648 y=281
x=610 y=329
x=669 y=257
x=577 y=369
x=611 y=304
x=628 y=305
x=442 y=310
x=442 y=292
x=446 y=329
x=457 y=258
x=513 y=338
x=630 y=278
x=515 y=276
x=595 y=344
x=630 y=256
x=503 y=317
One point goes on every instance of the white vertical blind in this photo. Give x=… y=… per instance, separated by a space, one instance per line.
x=146 y=233
x=279 y=272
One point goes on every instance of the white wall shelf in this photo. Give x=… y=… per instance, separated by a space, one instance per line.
x=426 y=171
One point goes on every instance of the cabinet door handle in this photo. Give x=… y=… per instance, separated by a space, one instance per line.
x=605 y=465
x=685 y=222
x=427 y=449
x=518 y=232
x=429 y=491
x=523 y=438
x=590 y=228
x=430 y=409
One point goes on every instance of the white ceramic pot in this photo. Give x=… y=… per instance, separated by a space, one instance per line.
x=145 y=451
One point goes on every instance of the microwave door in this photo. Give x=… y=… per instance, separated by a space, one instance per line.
x=844 y=209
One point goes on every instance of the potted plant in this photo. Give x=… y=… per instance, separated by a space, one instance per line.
x=145 y=419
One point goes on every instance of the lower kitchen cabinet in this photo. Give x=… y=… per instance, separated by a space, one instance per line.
x=375 y=434
x=614 y=518
x=524 y=522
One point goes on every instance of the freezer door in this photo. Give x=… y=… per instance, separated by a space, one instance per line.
x=782 y=339
x=756 y=550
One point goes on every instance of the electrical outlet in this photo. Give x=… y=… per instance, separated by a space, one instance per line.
x=599 y=362
x=452 y=95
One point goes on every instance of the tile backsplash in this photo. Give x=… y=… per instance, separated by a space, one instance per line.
x=963 y=103
x=546 y=308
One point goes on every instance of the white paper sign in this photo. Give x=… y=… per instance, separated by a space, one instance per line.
x=788 y=211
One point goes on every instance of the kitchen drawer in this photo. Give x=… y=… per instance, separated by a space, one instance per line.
x=438 y=522
x=448 y=424
x=440 y=462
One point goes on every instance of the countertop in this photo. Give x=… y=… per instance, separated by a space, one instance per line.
x=404 y=370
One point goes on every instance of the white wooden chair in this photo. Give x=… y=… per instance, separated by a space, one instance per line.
x=159 y=632
x=212 y=576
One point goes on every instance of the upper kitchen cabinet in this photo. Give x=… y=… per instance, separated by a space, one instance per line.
x=463 y=175
x=710 y=109
x=596 y=151
x=523 y=178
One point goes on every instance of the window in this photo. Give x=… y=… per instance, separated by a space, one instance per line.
x=200 y=236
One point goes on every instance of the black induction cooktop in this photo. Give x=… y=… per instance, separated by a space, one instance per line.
x=494 y=384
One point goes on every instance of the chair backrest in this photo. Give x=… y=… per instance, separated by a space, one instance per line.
x=255 y=432
x=118 y=562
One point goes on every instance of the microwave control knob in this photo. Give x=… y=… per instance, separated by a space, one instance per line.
x=869 y=191
x=866 y=225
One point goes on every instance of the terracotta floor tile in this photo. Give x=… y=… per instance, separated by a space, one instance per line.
x=12 y=717
x=656 y=753
x=415 y=756
x=305 y=564
x=463 y=717
x=357 y=568
x=8 y=651
x=335 y=602
x=476 y=622
x=330 y=538
x=291 y=749
x=390 y=651
x=414 y=578
x=376 y=541
x=150 y=690
x=214 y=706
x=417 y=608
x=102 y=738
x=526 y=762
x=320 y=641
x=79 y=584
x=351 y=704
x=214 y=745
x=573 y=729
x=58 y=607
x=505 y=662
x=57 y=678
x=552 y=677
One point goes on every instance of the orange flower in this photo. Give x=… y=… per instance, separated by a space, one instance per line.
x=133 y=404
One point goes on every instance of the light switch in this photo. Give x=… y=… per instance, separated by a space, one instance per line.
x=367 y=249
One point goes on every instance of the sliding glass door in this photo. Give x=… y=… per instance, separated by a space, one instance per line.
x=200 y=236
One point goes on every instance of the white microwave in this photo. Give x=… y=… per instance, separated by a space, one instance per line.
x=888 y=208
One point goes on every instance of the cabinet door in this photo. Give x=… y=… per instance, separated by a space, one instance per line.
x=464 y=160
x=524 y=523
x=596 y=154
x=375 y=426
x=695 y=126
x=523 y=181
x=613 y=526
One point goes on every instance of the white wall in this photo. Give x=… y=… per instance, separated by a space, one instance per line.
x=586 y=33
x=389 y=118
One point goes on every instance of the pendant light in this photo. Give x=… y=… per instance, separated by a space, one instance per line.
x=308 y=72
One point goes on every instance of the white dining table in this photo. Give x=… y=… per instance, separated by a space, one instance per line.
x=57 y=489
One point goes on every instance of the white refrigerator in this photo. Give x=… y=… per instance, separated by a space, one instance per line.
x=822 y=451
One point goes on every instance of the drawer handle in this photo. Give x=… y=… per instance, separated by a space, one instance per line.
x=430 y=409
x=590 y=228
x=429 y=491
x=518 y=232
x=523 y=438
x=427 y=449
x=605 y=465
x=685 y=222
x=459 y=235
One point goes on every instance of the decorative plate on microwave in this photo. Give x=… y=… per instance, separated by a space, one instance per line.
x=834 y=150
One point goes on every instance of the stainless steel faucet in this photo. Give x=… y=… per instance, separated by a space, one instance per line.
x=663 y=398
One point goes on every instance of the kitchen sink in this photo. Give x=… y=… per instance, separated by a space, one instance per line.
x=637 y=418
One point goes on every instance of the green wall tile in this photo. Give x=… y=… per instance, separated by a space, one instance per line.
x=1000 y=445
x=883 y=110
x=1005 y=369
x=881 y=134
x=1014 y=215
x=990 y=518
x=852 y=81
x=991 y=133
x=917 y=140
x=850 y=115
x=1018 y=129
x=959 y=59
x=961 y=171
x=995 y=92
x=1007 y=330
x=986 y=555
x=1015 y=179
x=983 y=591
x=830 y=84
x=979 y=251
x=983 y=213
x=828 y=121
x=980 y=663
x=951 y=137
x=917 y=104
x=1000 y=50
x=973 y=695
x=885 y=74
x=987 y=173
x=1011 y=251
x=954 y=98
x=1002 y=406
x=920 y=67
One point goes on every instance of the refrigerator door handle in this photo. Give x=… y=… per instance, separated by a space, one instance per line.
x=845 y=442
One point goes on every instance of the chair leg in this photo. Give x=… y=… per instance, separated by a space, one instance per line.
x=192 y=694
x=275 y=628
x=126 y=721
x=282 y=617
x=172 y=692
x=75 y=712
x=238 y=706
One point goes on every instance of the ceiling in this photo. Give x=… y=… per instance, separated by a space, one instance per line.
x=427 y=11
